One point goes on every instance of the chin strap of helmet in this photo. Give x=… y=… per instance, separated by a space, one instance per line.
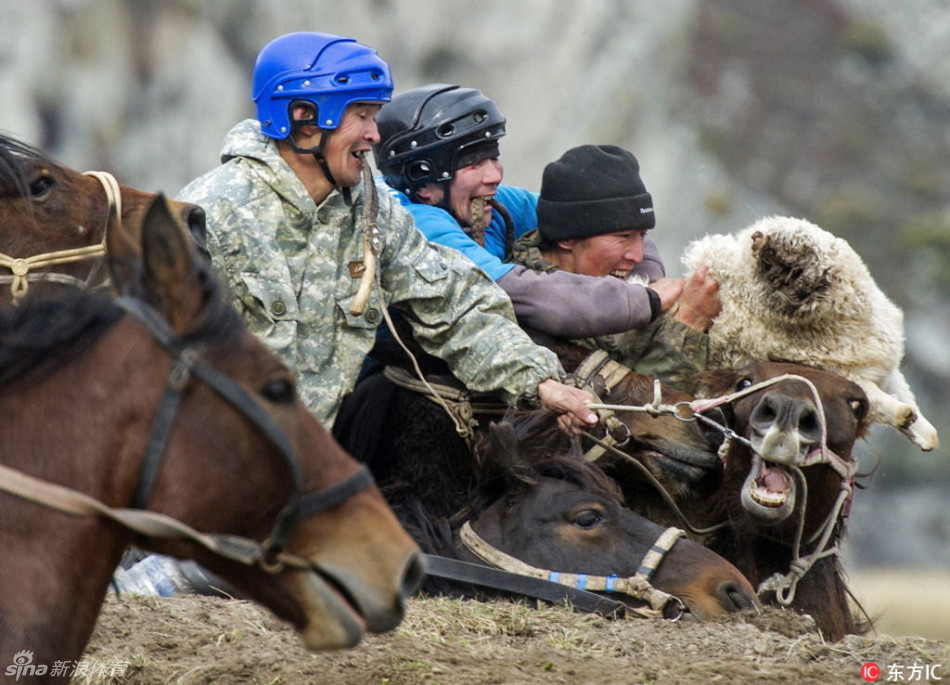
x=446 y=201
x=317 y=153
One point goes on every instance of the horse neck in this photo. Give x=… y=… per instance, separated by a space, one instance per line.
x=54 y=584
x=821 y=592
x=55 y=580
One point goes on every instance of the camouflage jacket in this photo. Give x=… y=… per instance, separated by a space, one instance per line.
x=666 y=349
x=293 y=269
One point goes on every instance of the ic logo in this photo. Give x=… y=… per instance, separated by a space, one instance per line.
x=870 y=672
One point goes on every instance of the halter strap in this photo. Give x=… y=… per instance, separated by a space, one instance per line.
x=637 y=586
x=188 y=361
x=20 y=267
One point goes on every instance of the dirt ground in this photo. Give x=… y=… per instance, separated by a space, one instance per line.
x=193 y=639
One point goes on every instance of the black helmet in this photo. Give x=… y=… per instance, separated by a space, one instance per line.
x=428 y=132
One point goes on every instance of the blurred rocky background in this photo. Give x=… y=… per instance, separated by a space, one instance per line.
x=837 y=111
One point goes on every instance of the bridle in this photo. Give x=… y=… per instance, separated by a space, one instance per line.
x=637 y=586
x=271 y=555
x=21 y=268
x=783 y=585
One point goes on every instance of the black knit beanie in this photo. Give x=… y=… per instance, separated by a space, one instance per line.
x=591 y=190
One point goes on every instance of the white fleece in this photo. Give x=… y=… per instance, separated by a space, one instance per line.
x=793 y=291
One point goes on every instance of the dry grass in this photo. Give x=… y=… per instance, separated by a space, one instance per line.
x=205 y=640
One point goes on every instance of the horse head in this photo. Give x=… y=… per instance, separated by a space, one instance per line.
x=54 y=220
x=557 y=512
x=650 y=430
x=799 y=426
x=159 y=411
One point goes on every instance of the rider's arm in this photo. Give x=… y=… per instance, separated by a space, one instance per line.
x=667 y=349
x=570 y=305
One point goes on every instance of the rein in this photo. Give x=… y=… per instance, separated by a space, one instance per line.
x=783 y=585
x=270 y=555
x=636 y=586
x=372 y=244
x=20 y=267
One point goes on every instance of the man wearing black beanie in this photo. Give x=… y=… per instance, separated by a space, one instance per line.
x=593 y=215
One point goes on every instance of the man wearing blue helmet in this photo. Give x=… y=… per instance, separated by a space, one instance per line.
x=439 y=153
x=314 y=260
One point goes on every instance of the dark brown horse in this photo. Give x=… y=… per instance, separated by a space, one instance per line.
x=388 y=425
x=556 y=512
x=666 y=456
x=429 y=474
x=161 y=400
x=53 y=220
x=787 y=484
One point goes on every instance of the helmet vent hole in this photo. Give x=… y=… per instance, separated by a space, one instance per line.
x=446 y=130
x=418 y=170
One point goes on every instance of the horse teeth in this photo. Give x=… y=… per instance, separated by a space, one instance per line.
x=767 y=498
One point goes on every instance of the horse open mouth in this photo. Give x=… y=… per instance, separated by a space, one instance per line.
x=769 y=491
x=334 y=620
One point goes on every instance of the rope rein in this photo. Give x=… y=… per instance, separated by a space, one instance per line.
x=369 y=229
x=21 y=267
x=149 y=523
x=372 y=244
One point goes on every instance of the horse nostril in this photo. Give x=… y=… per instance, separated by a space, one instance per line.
x=413 y=575
x=766 y=411
x=737 y=598
x=808 y=423
x=196 y=220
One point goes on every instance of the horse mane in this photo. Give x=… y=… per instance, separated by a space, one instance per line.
x=13 y=152
x=545 y=451
x=45 y=333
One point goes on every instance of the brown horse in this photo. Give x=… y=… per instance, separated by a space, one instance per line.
x=161 y=400
x=667 y=456
x=787 y=484
x=53 y=220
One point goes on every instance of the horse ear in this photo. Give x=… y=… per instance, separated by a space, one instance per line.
x=505 y=453
x=123 y=252
x=170 y=267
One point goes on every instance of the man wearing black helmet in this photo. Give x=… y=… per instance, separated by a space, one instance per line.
x=314 y=260
x=439 y=152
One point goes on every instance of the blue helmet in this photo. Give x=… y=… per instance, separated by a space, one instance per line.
x=330 y=72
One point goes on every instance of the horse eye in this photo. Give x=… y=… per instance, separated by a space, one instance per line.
x=280 y=392
x=40 y=188
x=588 y=518
x=859 y=408
x=743 y=384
